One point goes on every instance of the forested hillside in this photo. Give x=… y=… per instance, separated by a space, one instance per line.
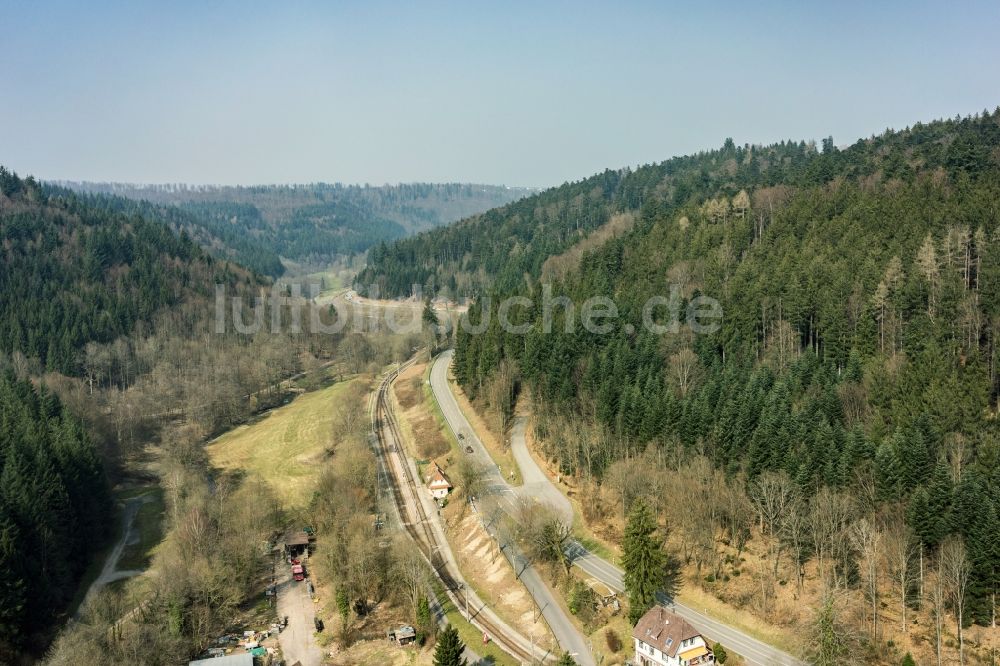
x=55 y=511
x=857 y=353
x=313 y=223
x=494 y=250
x=78 y=270
x=110 y=305
x=309 y=232
x=93 y=293
x=218 y=234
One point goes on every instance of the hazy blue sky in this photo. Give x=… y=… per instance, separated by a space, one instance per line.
x=519 y=94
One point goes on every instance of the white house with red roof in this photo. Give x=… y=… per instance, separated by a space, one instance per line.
x=438 y=483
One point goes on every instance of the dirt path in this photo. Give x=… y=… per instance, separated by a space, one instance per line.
x=130 y=536
x=298 y=643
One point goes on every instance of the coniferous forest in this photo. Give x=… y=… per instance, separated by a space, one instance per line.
x=75 y=272
x=857 y=353
x=217 y=231
x=94 y=294
x=55 y=510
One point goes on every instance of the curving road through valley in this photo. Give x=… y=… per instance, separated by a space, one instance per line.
x=538 y=488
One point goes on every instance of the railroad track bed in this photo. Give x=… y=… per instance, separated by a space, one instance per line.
x=412 y=516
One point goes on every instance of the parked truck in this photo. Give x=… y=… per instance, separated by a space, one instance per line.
x=298 y=571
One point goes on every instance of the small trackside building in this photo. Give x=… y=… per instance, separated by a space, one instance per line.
x=663 y=638
x=438 y=483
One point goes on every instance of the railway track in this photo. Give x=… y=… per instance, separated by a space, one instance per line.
x=413 y=518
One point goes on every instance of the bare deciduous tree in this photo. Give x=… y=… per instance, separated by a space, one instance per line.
x=794 y=530
x=867 y=541
x=899 y=551
x=771 y=493
x=500 y=396
x=938 y=597
x=829 y=516
x=955 y=570
x=471 y=478
x=927 y=262
x=684 y=369
x=411 y=573
x=544 y=534
x=737 y=514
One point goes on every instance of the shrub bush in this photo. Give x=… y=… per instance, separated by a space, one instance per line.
x=613 y=640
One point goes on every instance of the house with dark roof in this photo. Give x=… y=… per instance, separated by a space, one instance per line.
x=663 y=638
x=296 y=542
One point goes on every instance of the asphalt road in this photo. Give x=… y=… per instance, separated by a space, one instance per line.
x=537 y=487
x=499 y=494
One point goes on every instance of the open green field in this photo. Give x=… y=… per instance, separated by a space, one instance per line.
x=329 y=280
x=285 y=446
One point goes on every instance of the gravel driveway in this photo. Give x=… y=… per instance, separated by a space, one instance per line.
x=298 y=643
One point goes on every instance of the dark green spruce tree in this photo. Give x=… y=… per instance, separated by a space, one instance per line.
x=644 y=561
x=429 y=317
x=449 y=648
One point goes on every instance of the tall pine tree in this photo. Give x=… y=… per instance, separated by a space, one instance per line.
x=643 y=559
x=449 y=648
